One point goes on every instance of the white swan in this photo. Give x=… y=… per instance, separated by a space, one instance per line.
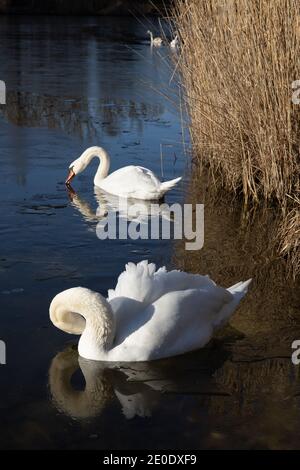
x=149 y=315
x=130 y=181
x=156 y=42
x=174 y=42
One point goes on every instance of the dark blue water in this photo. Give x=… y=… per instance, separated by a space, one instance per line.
x=73 y=83
x=68 y=89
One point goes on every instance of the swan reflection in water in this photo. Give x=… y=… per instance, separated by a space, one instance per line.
x=132 y=210
x=102 y=384
x=138 y=387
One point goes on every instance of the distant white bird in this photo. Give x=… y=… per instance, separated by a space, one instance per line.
x=174 y=42
x=156 y=42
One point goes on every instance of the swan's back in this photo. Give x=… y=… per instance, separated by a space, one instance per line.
x=161 y=314
x=132 y=181
x=142 y=282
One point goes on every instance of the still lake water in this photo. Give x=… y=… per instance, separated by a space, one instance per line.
x=73 y=83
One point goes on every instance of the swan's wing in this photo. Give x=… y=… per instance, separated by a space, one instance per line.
x=142 y=282
x=132 y=181
x=136 y=282
x=185 y=320
x=176 y=323
x=147 y=176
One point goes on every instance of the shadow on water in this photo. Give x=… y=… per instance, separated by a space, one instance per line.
x=262 y=381
x=241 y=245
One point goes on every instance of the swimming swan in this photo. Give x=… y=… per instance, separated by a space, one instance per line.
x=156 y=42
x=174 y=42
x=151 y=314
x=130 y=181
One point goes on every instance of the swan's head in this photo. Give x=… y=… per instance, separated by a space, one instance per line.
x=63 y=310
x=76 y=167
x=149 y=32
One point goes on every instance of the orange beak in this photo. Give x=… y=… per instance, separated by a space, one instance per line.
x=70 y=176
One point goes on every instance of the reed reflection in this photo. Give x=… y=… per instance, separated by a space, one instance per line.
x=86 y=118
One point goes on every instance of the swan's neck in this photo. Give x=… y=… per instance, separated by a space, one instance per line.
x=104 y=164
x=151 y=36
x=67 y=311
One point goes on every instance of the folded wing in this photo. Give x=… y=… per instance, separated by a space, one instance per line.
x=142 y=282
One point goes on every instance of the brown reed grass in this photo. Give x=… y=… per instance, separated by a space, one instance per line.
x=238 y=60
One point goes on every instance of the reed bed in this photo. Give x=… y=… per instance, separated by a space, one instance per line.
x=238 y=60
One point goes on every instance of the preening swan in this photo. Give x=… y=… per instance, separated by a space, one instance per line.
x=151 y=314
x=156 y=42
x=130 y=181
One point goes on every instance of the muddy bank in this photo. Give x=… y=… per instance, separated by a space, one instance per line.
x=82 y=7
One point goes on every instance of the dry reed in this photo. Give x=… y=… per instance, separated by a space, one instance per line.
x=238 y=60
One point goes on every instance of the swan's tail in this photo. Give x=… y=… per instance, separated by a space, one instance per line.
x=167 y=185
x=240 y=288
x=238 y=291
